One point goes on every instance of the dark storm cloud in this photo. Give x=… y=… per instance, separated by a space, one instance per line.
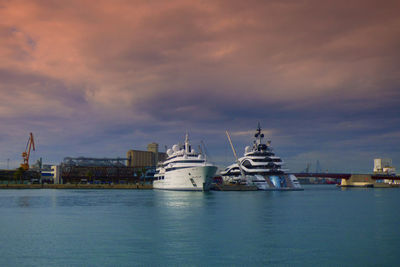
x=101 y=75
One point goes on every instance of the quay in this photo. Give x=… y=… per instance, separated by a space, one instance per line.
x=377 y=181
x=76 y=186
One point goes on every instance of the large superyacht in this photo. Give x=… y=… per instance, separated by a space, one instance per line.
x=184 y=169
x=260 y=167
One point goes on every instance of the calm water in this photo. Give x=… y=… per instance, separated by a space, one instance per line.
x=321 y=226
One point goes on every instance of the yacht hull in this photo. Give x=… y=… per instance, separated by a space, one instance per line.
x=270 y=182
x=197 y=178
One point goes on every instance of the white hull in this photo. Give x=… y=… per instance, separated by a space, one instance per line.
x=197 y=178
x=268 y=183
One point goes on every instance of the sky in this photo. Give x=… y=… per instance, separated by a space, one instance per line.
x=97 y=78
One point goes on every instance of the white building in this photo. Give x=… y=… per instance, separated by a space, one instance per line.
x=56 y=172
x=384 y=166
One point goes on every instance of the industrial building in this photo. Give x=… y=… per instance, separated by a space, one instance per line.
x=18 y=176
x=96 y=171
x=137 y=167
x=144 y=159
x=384 y=166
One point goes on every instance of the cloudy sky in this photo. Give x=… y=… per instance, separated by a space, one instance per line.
x=96 y=78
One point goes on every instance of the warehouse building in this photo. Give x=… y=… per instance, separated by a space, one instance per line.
x=142 y=159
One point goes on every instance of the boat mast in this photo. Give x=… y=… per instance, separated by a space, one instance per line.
x=187 y=150
x=234 y=153
x=258 y=134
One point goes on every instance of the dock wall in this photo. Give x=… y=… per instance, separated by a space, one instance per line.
x=366 y=180
x=358 y=180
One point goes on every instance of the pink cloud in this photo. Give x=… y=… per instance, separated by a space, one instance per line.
x=124 y=58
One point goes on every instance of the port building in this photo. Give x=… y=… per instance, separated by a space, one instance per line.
x=132 y=169
x=145 y=159
x=135 y=168
x=384 y=166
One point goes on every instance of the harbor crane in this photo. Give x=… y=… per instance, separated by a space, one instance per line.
x=26 y=154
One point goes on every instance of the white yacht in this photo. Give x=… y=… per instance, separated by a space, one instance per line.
x=261 y=167
x=184 y=169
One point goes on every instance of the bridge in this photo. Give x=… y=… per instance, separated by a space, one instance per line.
x=345 y=176
x=323 y=175
x=358 y=180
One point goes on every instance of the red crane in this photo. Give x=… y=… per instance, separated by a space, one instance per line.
x=25 y=155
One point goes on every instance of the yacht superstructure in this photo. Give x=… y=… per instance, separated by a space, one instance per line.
x=184 y=169
x=261 y=167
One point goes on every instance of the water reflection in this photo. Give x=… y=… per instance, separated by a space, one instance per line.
x=23 y=201
x=356 y=188
x=180 y=199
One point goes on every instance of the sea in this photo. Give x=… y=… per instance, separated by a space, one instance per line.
x=321 y=226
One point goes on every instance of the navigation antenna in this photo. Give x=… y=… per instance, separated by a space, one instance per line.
x=203 y=147
x=258 y=134
x=234 y=153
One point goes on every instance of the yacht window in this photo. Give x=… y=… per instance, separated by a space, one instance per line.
x=261 y=160
x=247 y=164
x=176 y=168
x=262 y=147
x=193 y=182
x=189 y=161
